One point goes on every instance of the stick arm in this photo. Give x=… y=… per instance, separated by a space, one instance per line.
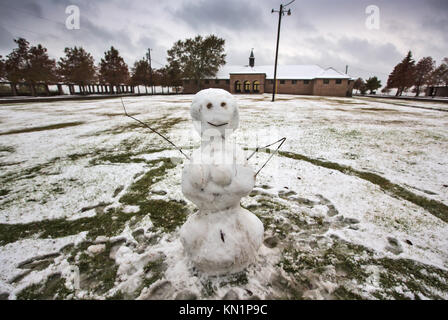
x=153 y=130
x=282 y=140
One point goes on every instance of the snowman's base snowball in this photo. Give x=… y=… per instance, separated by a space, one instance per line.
x=222 y=242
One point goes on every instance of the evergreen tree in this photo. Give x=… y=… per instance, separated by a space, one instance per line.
x=423 y=71
x=43 y=69
x=403 y=75
x=17 y=64
x=141 y=73
x=77 y=67
x=373 y=84
x=198 y=58
x=29 y=64
x=113 y=70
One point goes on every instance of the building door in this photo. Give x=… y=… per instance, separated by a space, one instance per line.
x=237 y=86
x=247 y=86
x=256 y=86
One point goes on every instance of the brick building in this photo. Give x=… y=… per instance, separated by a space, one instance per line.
x=291 y=79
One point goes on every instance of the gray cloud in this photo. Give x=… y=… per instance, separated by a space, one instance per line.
x=5 y=40
x=232 y=14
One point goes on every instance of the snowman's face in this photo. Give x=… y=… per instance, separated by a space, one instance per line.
x=214 y=110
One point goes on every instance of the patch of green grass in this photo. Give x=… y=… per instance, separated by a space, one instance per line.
x=413 y=277
x=53 y=288
x=124 y=157
x=208 y=288
x=29 y=173
x=434 y=207
x=115 y=158
x=7 y=149
x=265 y=209
x=154 y=270
x=163 y=124
x=119 y=295
x=97 y=271
x=236 y=279
x=43 y=128
x=165 y=215
x=341 y=255
x=76 y=156
x=343 y=293
x=397 y=276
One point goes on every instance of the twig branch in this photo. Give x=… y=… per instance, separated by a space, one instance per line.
x=153 y=130
x=260 y=148
x=276 y=150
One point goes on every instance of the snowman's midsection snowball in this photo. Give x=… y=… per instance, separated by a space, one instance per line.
x=218 y=191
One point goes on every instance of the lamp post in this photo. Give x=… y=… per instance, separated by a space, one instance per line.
x=281 y=12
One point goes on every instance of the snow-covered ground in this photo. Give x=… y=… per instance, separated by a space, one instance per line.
x=355 y=205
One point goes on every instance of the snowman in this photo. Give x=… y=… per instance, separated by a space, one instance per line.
x=221 y=237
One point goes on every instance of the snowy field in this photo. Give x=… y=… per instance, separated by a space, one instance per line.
x=354 y=207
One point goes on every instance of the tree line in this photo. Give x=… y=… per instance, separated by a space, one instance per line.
x=194 y=58
x=409 y=74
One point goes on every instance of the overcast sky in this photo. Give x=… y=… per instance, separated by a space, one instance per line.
x=324 y=32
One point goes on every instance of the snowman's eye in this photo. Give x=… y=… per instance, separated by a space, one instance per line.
x=209 y=105
x=223 y=104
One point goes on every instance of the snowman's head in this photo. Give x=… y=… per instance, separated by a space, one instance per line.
x=214 y=110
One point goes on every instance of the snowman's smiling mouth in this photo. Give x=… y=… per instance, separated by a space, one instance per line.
x=217 y=125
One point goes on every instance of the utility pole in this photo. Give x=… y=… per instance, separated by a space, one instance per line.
x=281 y=12
x=148 y=56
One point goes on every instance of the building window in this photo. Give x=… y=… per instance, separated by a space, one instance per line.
x=237 y=86
x=256 y=85
x=271 y=81
x=338 y=81
x=282 y=81
x=326 y=81
x=306 y=81
x=216 y=81
x=207 y=81
x=246 y=86
x=294 y=81
x=227 y=81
